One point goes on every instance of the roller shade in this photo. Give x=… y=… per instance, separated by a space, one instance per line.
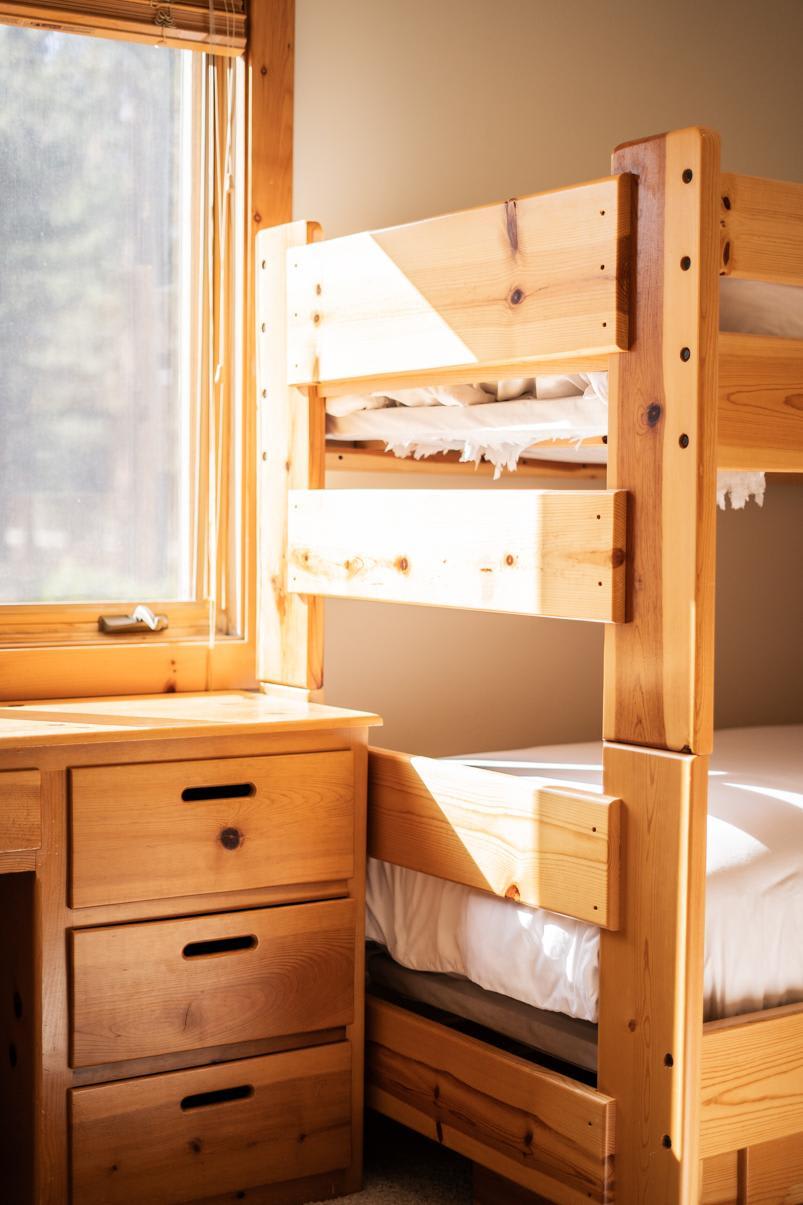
x=213 y=25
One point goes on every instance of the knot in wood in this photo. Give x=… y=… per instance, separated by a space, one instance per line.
x=230 y=838
x=653 y=414
x=517 y=296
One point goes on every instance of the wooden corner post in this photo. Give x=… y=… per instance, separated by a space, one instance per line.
x=659 y=668
x=292 y=453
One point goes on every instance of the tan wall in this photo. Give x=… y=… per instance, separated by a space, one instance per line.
x=407 y=108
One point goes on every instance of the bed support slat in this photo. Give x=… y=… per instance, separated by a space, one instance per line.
x=539 y=1129
x=539 y=277
x=496 y=832
x=760 y=404
x=529 y=552
x=752 y=1080
x=761 y=229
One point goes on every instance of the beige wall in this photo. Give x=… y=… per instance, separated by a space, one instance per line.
x=407 y=108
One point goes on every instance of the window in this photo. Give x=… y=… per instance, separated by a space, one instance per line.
x=120 y=273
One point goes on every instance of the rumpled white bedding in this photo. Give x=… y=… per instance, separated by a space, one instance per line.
x=754 y=891
x=500 y=421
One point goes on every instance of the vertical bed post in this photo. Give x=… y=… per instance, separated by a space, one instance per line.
x=659 y=668
x=291 y=443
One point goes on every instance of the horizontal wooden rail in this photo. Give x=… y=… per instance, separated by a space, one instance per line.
x=751 y=1080
x=537 y=1128
x=528 y=552
x=372 y=458
x=762 y=229
x=549 y=848
x=760 y=403
x=503 y=285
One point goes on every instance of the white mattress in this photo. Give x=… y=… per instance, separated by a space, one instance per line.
x=754 y=894
x=468 y=419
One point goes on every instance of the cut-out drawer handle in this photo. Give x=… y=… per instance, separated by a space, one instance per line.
x=224 y=790
x=219 y=945
x=202 y=1100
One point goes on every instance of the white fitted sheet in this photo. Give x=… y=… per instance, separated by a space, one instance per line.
x=754 y=891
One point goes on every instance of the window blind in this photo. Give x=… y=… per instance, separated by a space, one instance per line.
x=217 y=26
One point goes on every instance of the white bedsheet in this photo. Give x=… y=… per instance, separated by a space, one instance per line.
x=754 y=893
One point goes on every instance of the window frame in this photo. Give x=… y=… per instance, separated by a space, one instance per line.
x=55 y=649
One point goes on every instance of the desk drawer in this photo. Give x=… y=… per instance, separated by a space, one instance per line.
x=168 y=986
x=153 y=831
x=20 y=810
x=192 y=1135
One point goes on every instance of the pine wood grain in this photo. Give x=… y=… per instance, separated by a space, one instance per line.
x=760 y=413
x=503 y=284
x=497 y=833
x=534 y=552
x=291 y=440
x=20 y=811
x=752 y=1079
x=137 y=992
x=662 y=448
x=529 y=1125
x=651 y=975
x=762 y=229
x=135 y=838
x=132 y=1141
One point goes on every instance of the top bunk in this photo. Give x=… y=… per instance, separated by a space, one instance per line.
x=533 y=288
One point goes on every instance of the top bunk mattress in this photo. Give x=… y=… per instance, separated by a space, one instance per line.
x=754 y=891
x=501 y=422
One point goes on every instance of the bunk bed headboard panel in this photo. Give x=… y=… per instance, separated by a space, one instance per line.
x=761 y=229
x=504 y=285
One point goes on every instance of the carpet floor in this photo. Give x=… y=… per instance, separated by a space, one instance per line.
x=402 y=1168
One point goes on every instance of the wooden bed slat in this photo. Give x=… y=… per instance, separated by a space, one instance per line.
x=528 y=552
x=752 y=1079
x=555 y=849
x=760 y=403
x=549 y=1133
x=762 y=229
x=543 y=276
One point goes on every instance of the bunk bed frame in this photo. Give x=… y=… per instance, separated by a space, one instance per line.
x=620 y=274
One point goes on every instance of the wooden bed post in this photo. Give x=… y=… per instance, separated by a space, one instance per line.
x=659 y=669
x=292 y=443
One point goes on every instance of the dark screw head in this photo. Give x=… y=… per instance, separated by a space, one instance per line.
x=668 y=1060
x=684 y=441
x=685 y=354
x=653 y=414
x=666 y=1141
x=685 y=263
x=230 y=838
x=688 y=175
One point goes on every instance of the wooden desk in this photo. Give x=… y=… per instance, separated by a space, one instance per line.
x=181 y=969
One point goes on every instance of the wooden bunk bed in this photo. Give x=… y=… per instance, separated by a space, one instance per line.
x=621 y=274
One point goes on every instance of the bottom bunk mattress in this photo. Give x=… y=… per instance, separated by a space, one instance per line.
x=754 y=892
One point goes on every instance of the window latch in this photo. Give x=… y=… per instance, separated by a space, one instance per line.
x=141 y=619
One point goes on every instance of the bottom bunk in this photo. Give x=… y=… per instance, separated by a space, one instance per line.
x=486 y=1038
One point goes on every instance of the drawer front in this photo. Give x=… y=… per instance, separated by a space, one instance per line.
x=195 y=1134
x=20 y=810
x=167 y=829
x=167 y=986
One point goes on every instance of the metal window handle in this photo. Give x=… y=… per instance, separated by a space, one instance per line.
x=141 y=619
